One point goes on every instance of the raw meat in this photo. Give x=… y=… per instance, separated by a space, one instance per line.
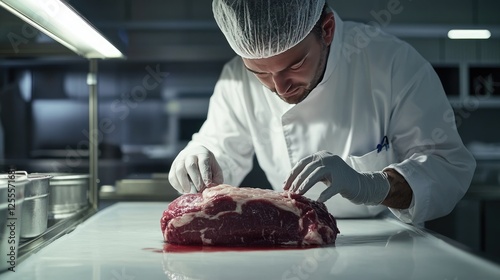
x=230 y=216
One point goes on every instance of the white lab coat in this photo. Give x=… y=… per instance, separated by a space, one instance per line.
x=375 y=85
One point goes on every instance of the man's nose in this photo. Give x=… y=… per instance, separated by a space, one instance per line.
x=281 y=83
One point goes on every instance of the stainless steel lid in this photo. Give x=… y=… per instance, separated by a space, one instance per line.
x=62 y=179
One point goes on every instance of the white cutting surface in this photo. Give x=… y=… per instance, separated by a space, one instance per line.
x=111 y=246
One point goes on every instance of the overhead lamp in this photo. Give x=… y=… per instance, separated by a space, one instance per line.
x=469 y=34
x=62 y=23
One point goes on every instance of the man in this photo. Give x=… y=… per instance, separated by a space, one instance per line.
x=328 y=107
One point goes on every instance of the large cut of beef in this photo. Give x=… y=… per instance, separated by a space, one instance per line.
x=230 y=216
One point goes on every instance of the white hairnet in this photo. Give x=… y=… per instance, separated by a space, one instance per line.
x=264 y=28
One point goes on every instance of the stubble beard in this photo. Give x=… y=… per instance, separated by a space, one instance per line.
x=318 y=76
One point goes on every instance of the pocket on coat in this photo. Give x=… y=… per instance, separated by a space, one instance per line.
x=372 y=161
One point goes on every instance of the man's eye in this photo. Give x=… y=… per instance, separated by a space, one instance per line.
x=297 y=66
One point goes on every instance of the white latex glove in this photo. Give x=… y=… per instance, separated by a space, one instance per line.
x=360 y=188
x=197 y=166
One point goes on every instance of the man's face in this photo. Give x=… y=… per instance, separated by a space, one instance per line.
x=293 y=74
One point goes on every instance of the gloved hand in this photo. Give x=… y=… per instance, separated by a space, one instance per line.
x=195 y=165
x=360 y=188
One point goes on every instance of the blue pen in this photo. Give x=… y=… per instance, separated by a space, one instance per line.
x=383 y=143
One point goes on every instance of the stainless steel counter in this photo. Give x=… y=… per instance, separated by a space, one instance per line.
x=124 y=241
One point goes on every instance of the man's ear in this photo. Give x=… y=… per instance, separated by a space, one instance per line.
x=328 y=28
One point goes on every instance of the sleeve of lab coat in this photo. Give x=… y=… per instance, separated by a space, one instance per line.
x=225 y=132
x=435 y=163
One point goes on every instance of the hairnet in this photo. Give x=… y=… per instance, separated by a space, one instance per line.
x=264 y=28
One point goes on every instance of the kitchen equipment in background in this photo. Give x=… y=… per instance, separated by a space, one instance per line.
x=152 y=185
x=449 y=75
x=484 y=81
x=149 y=187
x=34 y=218
x=484 y=151
x=68 y=194
x=11 y=202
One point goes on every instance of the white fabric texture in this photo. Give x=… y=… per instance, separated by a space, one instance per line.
x=374 y=85
x=252 y=33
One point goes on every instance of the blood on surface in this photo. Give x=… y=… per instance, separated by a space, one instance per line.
x=174 y=248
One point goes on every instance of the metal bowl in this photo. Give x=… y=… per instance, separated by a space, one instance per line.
x=11 y=203
x=36 y=205
x=68 y=194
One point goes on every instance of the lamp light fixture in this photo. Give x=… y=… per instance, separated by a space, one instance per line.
x=469 y=34
x=62 y=23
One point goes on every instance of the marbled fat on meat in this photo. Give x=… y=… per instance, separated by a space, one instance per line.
x=230 y=216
